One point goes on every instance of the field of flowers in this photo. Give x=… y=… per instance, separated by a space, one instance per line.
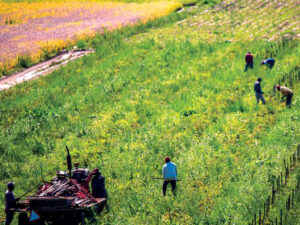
x=32 y=32
x=166 y=87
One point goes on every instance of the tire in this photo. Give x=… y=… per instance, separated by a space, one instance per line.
x=23 y=219
x=40 y=222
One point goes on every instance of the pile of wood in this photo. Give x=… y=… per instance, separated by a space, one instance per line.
x=67 y=189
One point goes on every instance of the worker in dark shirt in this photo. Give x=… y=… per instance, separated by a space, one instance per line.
x=258 y=92
x=10 y=203
x=269 y=62
x=249 y=61
x=98 y=185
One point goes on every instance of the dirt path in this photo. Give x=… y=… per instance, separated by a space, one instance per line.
x=41 y=69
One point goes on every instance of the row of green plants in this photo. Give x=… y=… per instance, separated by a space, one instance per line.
x=242 y=20
x=283 y=194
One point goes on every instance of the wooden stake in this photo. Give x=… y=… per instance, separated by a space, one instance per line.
x=280 y=222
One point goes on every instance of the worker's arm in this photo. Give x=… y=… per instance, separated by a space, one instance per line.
x=88 y=179
x=164 y=171
x=283 y=98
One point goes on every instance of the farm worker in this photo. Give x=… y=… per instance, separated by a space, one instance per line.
x=249 y=61
x=269 y=62
x=286 y=92
x=10 y=203
x=258 y=92
x=169 y=173
x=98 y=185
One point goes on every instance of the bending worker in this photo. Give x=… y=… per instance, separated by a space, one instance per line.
x=169 y=173
x=286 y=93
x=269 y=62
x=10 y=203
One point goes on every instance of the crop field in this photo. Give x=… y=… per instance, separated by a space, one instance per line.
x=174 y=86
x=39 y=30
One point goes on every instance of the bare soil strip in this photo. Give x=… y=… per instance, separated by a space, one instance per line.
x=41 y=69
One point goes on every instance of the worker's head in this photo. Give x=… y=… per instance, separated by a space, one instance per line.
x=278 y=87
x=167 y=159
x=262 y=62
x=259 y=79
x=249 y=52
x=76 y=164
x=10 y=186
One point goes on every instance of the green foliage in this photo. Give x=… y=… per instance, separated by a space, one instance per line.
x=82 y=44
x=210 y=2
x=24 y=61
x=147 y=93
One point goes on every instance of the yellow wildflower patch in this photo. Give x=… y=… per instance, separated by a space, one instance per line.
x=39 y=28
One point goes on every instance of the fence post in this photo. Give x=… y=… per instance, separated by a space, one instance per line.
x=293 y=195
x=280 y=222
x=273 y=193
x=268 y=206
x=286 y=174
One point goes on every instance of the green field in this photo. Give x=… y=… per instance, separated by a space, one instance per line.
x=174 y=86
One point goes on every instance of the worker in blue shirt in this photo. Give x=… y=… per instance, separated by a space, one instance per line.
x=269 y=62
x=169 y=173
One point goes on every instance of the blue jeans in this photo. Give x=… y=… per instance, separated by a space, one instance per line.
x=289 y=100
x=260 y=96
x=173 y=184
x=247 y=66
x=9 y=217
x=271 y=64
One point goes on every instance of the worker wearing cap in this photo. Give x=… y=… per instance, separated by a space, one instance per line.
x=249 y=61
x=98 y=185
x=169 y=173
x=286 y=92
x=269 y=62
x=258 y=92
x=10 y=203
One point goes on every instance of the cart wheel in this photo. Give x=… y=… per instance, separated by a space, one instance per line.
x=40 y=222
x=82 y=218
x=23 y=219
